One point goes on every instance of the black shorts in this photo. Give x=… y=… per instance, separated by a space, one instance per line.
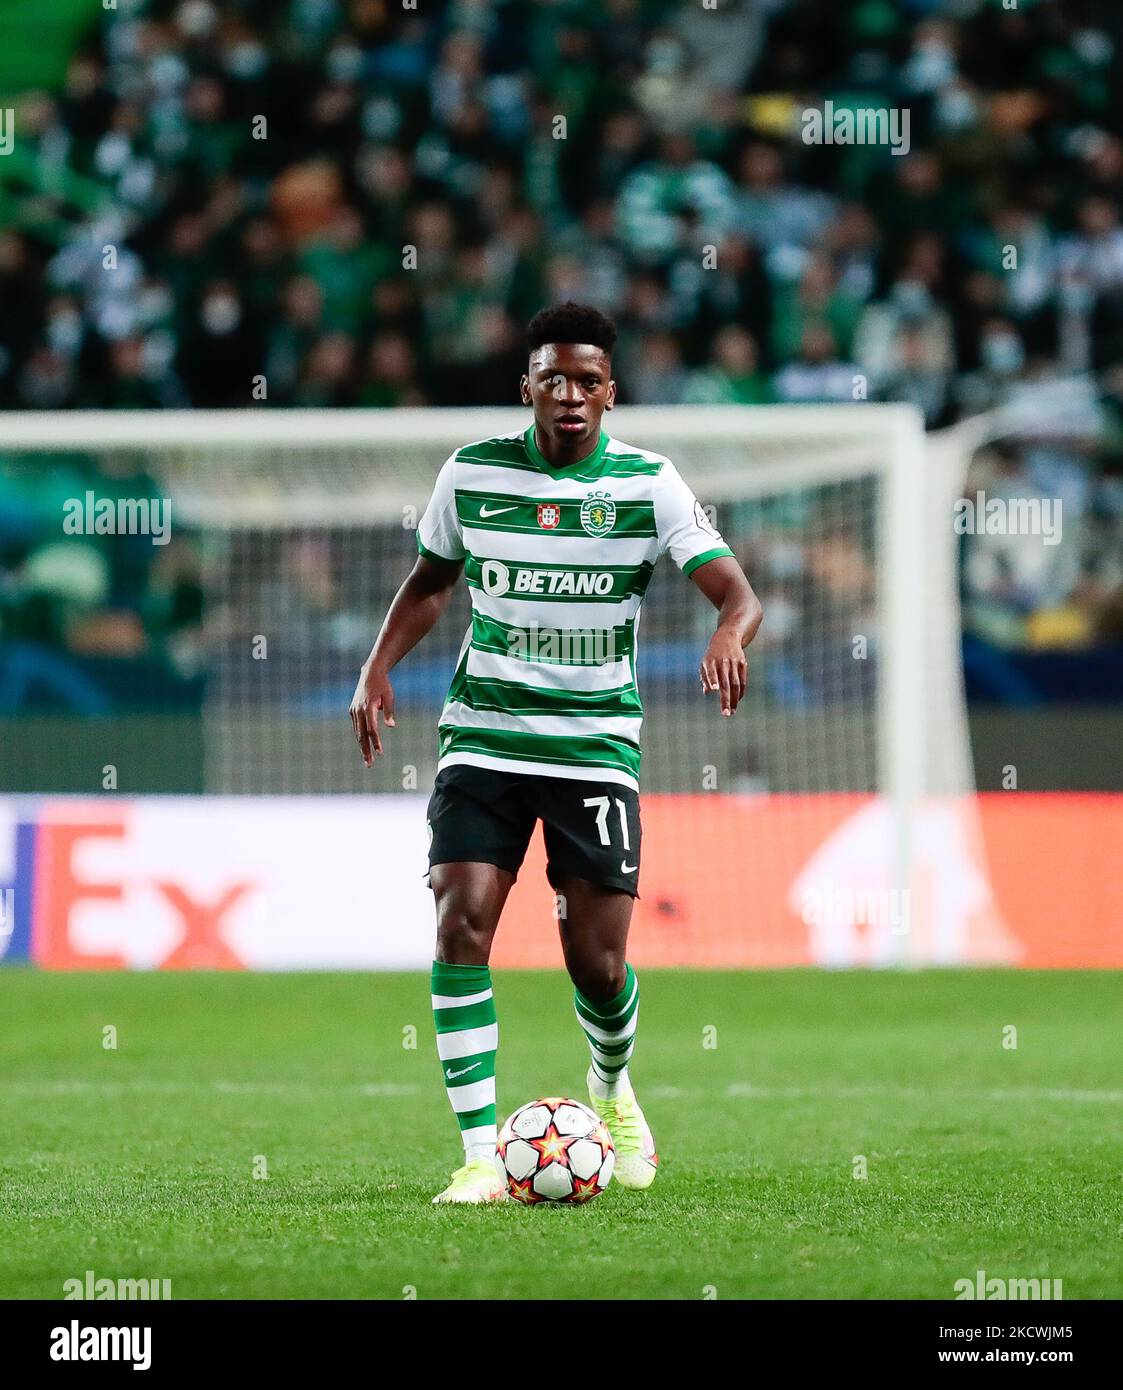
x=592 y=829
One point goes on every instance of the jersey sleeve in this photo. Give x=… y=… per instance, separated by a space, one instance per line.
x=683 y=527
x=439 y=536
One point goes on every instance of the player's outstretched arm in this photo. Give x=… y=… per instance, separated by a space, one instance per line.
x=723 y=666
x=417 y=605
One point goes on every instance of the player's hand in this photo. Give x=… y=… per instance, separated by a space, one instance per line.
x=725 y=669
x=373 y=693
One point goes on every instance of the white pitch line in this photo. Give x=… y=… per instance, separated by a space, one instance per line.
x=231 y=1088
x=748 y=1090
x=392 y=1089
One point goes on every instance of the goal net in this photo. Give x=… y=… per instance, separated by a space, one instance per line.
x=841 y=517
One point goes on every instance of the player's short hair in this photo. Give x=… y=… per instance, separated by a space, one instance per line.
x=571 y=323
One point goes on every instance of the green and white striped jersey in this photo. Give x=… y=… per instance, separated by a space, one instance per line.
x=557 y=563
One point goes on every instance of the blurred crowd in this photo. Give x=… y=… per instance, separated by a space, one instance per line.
x=93 y=623
x=363 y=202
x=1025 y=590
x=359 y=203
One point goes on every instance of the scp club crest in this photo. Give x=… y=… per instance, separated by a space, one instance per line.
x=549 y=515
x=598 y=514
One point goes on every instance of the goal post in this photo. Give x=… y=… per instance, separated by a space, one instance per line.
x=233 y=472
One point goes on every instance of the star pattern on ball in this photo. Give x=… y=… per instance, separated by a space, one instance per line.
x=552 y=1146
x=585 y=1188
x=522 y=1191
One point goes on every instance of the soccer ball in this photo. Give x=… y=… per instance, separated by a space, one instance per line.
x=555 y=1150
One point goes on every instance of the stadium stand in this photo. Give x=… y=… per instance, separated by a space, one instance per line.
x=284 y=248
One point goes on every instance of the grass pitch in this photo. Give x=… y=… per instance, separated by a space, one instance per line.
x=139 y=1162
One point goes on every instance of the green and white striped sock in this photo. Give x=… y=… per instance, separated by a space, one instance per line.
x=611 y=1030
x=467 y=1038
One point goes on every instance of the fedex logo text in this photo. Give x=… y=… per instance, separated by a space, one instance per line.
x=76 y=912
